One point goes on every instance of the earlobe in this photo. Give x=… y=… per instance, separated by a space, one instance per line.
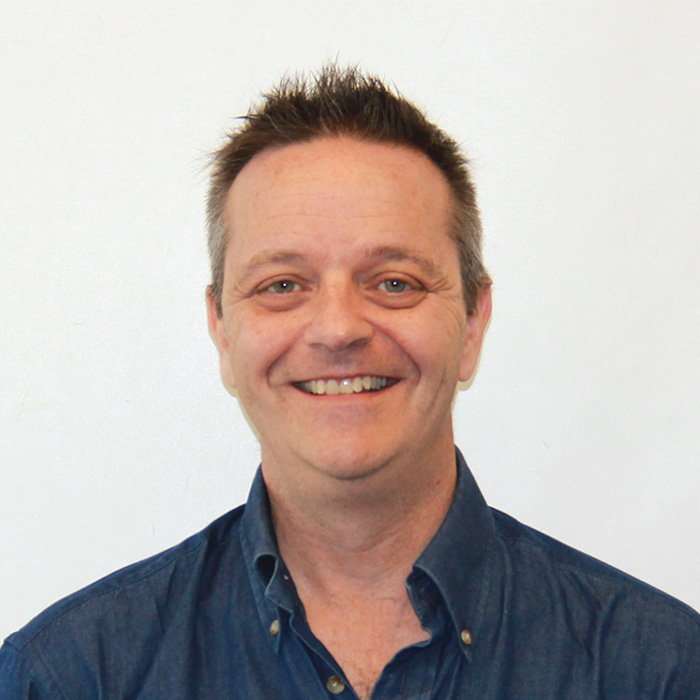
x=217 y=330
x=477 y=324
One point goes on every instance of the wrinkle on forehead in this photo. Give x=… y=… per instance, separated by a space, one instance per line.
x=318 y=174
x=319 y=203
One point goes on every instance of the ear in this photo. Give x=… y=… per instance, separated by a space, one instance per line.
x=217 y=330
x=477 y=323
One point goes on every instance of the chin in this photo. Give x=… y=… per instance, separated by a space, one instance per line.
x=348 y=462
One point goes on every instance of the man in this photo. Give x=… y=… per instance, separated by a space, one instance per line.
x=348 y=300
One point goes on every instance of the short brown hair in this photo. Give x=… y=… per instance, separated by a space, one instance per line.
x=344 y=102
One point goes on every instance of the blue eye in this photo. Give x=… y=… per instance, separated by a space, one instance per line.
x=395 y=286
x=283 y=287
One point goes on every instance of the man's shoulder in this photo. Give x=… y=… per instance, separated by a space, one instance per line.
x=157 y=583
x=557 y=574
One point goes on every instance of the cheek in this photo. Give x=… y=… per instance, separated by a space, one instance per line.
x=259 y=343
x=433 y=341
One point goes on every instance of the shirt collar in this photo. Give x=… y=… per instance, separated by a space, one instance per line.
x=273 y=588
x=455 y=560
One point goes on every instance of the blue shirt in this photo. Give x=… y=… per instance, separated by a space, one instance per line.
x=513 y=615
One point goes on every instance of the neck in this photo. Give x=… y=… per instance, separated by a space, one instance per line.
x=361 y=536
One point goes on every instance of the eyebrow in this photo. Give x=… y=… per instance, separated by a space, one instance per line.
x=265 y=258
x=399 y=253
x=380 y=253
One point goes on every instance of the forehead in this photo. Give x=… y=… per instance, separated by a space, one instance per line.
x=336 y=180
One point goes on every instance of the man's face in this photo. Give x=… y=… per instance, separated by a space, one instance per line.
x=344 y=330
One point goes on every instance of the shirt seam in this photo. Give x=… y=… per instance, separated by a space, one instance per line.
x=38 y=659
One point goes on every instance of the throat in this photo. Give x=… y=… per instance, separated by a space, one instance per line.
x=364 y=635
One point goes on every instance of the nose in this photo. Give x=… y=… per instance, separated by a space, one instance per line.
x=338 y=318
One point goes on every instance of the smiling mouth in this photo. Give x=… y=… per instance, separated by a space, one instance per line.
x=347 y=385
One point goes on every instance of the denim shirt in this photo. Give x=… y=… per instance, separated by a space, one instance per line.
x=512 y=615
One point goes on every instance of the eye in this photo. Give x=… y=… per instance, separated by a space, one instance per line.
x=280 y=294
x=400 y=292
x=282 y=287
x=394 y=286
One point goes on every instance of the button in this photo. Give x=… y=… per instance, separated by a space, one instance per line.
x=466 y=637
x=275 y=627
x=336 y=685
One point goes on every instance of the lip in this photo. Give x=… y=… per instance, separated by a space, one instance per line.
x=347 y=385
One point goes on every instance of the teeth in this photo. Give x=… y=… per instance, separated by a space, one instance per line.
x=349 y=385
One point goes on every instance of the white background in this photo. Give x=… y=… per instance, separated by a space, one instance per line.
x=582 y=120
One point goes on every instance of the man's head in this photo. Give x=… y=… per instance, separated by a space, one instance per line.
x=340 y=319
x=345 y=103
